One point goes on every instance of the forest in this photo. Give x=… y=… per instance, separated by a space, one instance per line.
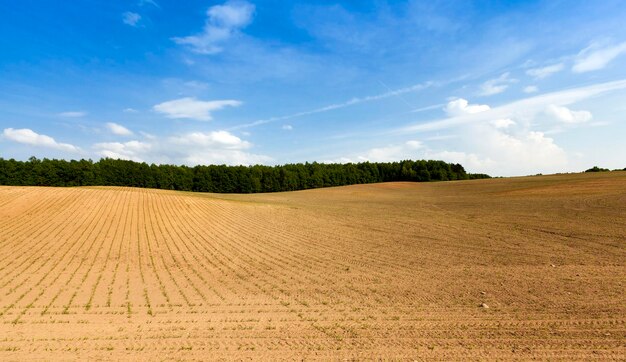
x=222 y=178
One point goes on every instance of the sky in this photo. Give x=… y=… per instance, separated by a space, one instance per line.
x=503 y=87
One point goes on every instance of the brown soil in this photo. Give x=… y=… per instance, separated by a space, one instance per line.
x=517 y=268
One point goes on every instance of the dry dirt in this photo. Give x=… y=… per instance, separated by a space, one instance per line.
x=515 y=268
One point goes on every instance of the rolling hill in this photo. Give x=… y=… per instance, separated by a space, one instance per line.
x=531 y=267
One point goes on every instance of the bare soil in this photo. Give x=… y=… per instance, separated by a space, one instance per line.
x=517 y=268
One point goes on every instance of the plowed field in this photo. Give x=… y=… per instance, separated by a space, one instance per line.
x=522 y=268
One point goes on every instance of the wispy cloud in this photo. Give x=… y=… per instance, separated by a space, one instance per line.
x=149 y=2
x=428 y=108
x=287 y=127
x=496 y=85
x=351 y=102
x=130 y=18
x=192 y=108
x=441 y=137
x=29 y=137
x=73 y=114
x=223 y=22
x=531 y=89
x=596 y=57
x=118 y=129
x=544 y=72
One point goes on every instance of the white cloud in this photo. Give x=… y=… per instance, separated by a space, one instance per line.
x=73 y=114
x=413 y=144
x=488 y=148
x=118 y=129
x=197 y=85
x=29 y=137
x=443 y=137
x=497 y=85
x=287 y=127
x=339 y=160
x=217 y=139
x=223 y=22
x=596 y=57
x=229 y=157
x=131 y=150
x=544 y=72
x=496 y=150
x=406 y=150
x=531 y=89
x=193 y=108
x=130 y=110
x=509 y=140
x=218 y=147
x=503 y=123
x=130 y=18
x=566 y=115
x=461 y=106
x=470 y=161
x=232 y=14
x=524 y=109
x=519 y=152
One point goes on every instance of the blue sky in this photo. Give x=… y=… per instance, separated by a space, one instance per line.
x=503 y=87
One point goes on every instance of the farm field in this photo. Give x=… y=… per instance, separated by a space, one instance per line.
x=531 y=267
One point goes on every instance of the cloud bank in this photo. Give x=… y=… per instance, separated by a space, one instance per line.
x=194 y=148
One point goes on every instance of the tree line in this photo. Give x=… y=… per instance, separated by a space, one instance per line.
x=222 y=178
x=600 y=169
